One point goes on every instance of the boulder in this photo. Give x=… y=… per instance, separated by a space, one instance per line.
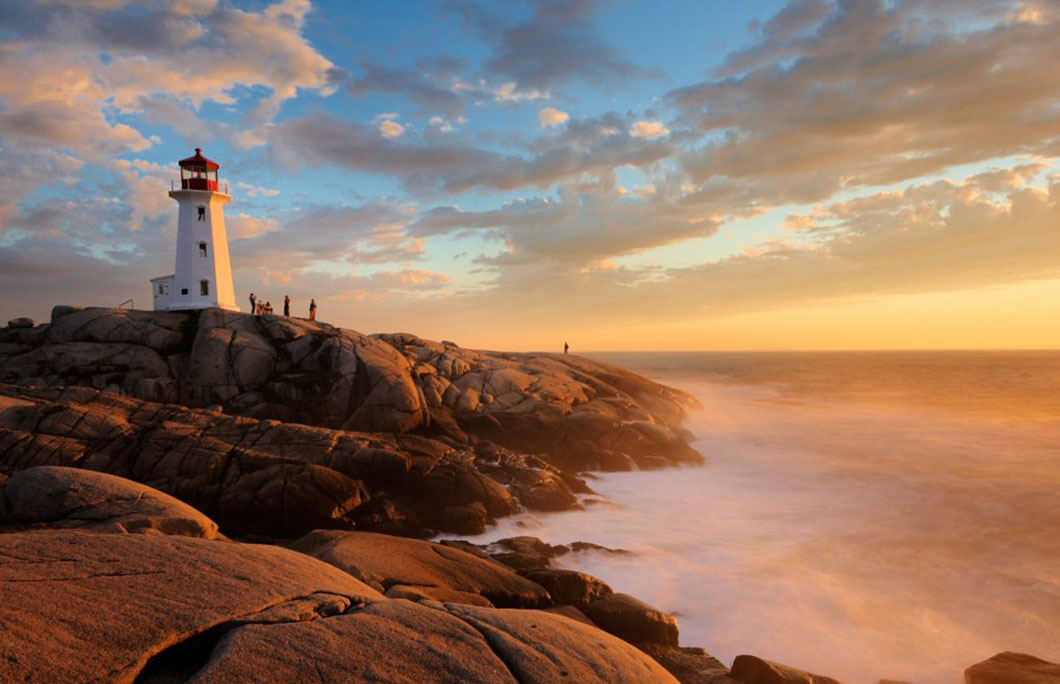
x=81 y=606
x=568 y=586
x=542 y=648
x=422 y=569
x=632 y=620
x=21 y=322
x=689 y=665
x=1013 y=668
x=59 y=497
x=753 y=670
x=397 y=642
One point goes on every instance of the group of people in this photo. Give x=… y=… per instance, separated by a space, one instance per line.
x=259 y=307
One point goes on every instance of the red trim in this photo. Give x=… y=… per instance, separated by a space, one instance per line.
x=198 y=184
x=199 y=160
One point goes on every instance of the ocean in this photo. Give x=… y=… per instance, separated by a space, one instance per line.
x=862 y=515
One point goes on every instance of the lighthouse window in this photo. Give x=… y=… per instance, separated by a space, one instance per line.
x=202 y=249
x=160 y=291
x=202 y=213
x=204 y=287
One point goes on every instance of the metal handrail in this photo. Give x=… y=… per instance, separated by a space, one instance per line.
x=132 y=305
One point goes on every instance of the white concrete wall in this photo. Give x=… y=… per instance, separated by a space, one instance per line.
x=191 y=267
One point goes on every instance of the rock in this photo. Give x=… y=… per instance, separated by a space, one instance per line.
x=542 y=648
x=392 y=641
x=574 y=413
x=60 y=310
x=632 y=620
x=1013 y=668
x=81 y=606
x=571 y=613
x=70 y=497
x=21 y=322
x=689 y=665
x=523 y=553
x=158 y=330
x=752 y=670
x=434 y=570
x=252 y=476
x=568 y=586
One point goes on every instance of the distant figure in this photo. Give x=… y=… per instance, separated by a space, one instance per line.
x=286 y=305
x=566 y=347
x=268 y=308
x=259 y=308
x=312 y=309
x=253 y=303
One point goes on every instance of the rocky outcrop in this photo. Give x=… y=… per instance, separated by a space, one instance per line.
x=753 y=670
x=569 y=586
x=83 y=605
x=60 y=497
x=1013 y=668
x=565 y=410
x=410 y=568
x=262 y=476
x=632 y=620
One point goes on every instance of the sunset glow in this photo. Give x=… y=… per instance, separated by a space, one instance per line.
x=765 y=175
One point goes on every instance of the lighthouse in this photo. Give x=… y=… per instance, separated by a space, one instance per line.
x=202 y=277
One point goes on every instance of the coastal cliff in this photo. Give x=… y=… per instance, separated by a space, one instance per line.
x=213 y=497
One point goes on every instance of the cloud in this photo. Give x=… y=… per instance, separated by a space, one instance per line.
x=550 y=116
x=555 y=43
x=586 y=146
x=873 y=93
x=424 y=85
x=649 y=129
x=256 y=191
x=390 y=129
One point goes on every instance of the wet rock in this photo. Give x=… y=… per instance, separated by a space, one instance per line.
x=1013 y=668
x=524 y=553
x=568 y=586
x=632 y=620
x=60 y=497
x=753 y=670
x=433 y=569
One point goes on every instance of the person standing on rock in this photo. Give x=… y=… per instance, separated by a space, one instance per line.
x=286 y=305
x=253 y=303
x=566 y=347
x=312 y=309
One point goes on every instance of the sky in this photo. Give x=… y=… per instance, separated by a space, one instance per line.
x=678 y=175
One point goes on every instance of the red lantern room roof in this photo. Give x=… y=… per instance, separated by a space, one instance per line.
x=199 y=160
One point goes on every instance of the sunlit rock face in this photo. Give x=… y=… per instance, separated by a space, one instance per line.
x=276 y=425
x=148 y=604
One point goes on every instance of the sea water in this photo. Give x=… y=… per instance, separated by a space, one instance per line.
x=861 y=515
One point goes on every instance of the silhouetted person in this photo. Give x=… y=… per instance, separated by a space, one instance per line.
x=286 y=305
x=260 y=308
x=268 y=307
x=253 y=303
x=312 y=309
x=566 y=347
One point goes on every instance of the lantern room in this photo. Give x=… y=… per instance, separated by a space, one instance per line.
x=198 y=173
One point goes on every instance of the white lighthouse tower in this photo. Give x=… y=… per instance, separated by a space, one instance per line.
x=203 y=275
